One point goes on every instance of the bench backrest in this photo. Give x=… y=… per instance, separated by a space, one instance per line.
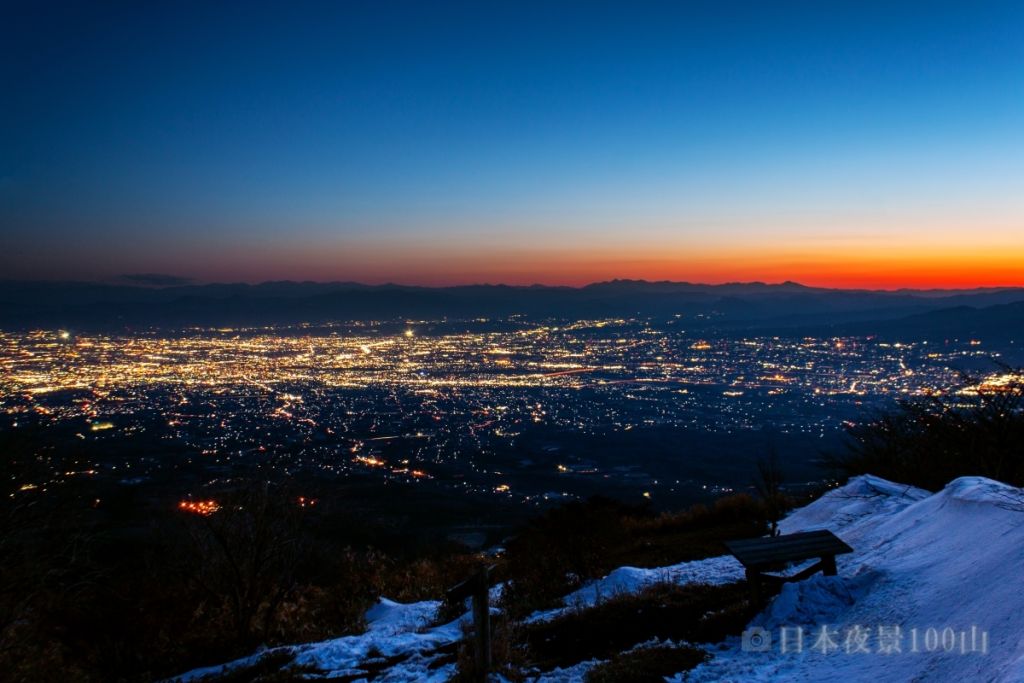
x=755 y=553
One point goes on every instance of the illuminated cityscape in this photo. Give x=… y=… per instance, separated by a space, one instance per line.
x=514 y=409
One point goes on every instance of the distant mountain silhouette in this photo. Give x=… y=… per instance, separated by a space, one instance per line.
x=83 y=305
x=1002 y=322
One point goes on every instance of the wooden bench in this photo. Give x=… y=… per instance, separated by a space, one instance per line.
x=758 y=555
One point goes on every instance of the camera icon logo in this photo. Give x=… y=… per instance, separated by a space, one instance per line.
x=756 y=639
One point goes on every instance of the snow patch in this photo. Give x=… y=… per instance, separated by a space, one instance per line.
x=629 y=580
x=394 y=630
x=920 y=561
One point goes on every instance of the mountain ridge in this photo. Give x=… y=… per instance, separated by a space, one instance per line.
x=84 y=305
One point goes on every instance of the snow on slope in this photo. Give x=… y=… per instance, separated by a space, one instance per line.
x=953 y=559
x=863 y=503
x=394 y=630
x=625 y=580
x=850 y=511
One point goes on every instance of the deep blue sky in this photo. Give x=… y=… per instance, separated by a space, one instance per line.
x=429 y=142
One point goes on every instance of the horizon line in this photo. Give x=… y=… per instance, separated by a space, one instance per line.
x=139 y=281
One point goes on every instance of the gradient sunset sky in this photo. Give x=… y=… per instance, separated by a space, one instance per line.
x=864 y=144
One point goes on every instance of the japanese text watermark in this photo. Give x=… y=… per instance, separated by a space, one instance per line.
x=861 y=639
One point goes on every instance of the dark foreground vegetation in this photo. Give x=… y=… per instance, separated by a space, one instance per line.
x=87 y=598
x=568 y=546
x=930 y=442
x=664 y=611
x=647 y=664
x=95 y=593
x=574 y=544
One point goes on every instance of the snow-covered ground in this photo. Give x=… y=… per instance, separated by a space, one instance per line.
x=625 y=580
x=952 y=562
x=394 y=630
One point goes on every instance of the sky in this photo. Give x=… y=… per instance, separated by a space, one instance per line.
x=848 y=144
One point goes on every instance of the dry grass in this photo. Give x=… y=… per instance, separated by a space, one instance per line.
x=647 y=665
x=692 y=613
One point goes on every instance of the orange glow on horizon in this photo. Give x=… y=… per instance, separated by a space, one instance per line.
x=842 y=268
x=945 y=259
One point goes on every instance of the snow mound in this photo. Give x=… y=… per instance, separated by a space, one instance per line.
x=388 y=615
x=854 y=508
x=392 y=629
x=951 y=560
x=398 y=639
x=981 y=490
x=628 y=580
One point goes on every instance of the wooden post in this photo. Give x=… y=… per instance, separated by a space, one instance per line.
x=482 y=622
x=477 y=587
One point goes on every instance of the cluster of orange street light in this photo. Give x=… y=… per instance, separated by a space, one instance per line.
x=199 y=507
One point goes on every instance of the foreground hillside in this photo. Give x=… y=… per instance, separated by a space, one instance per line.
x=949 y=560
x=933 y=592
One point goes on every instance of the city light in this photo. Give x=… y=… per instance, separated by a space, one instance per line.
x=420 y=407
x=204 y=508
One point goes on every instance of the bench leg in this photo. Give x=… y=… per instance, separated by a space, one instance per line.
x=828 y=565
x=754 y=582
